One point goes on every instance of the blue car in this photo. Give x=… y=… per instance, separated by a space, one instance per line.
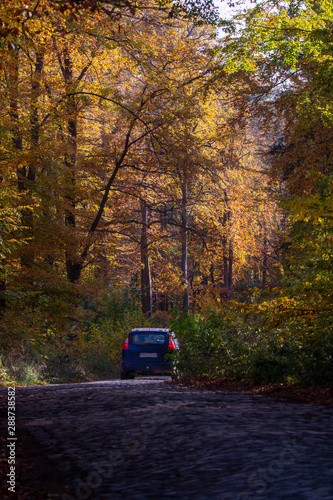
x=145 y=352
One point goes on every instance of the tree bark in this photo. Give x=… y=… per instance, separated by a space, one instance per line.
x=29 y=177
x=230 y=269
x=14 y=114
x=23 y=171
x=228 y=251
x=184 y=236
x=3 y=288
x=264 y=262
x=73 y=263
x=211 y=273
x=146 y=292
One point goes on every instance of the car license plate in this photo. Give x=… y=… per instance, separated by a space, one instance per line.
x=148 y=354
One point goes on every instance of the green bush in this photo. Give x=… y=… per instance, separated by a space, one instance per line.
x=5 y=378
x=216 y=346
x=246 y=346
x=21 y=368
x=84 y=343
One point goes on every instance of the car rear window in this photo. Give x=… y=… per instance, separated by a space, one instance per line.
x=149 y=338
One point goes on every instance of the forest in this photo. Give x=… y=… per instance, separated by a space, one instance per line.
x=163 y=166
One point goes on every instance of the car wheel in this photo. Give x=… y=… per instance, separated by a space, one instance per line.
x=126 y=376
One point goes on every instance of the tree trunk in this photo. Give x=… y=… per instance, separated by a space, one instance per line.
x=228 y=251
x=211 y=273
x=146 y=293
x=29 y=175
x=14 y=115
x=34 y=115
x=3 y=287
x=230 y=269
x=26 y=174
x=23 y=171
x=264 y=262
x=73 y=261
x=184 y=234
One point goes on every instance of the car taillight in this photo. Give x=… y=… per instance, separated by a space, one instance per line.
x=125 y=346
x=171 y=344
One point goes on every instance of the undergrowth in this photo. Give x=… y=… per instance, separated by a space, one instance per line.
x=267 y=341
x=240 y=341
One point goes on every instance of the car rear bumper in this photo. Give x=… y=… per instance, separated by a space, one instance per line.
x=146 y=367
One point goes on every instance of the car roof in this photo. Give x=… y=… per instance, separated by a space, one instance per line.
x=156 y=330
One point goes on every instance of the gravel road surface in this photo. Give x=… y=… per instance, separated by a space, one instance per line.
x=147 y=439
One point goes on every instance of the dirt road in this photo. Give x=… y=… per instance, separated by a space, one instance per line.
x=149 y=440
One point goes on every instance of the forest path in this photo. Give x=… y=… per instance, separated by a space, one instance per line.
x=150 y=440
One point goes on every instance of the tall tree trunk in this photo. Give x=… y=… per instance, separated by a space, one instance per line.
x=34 y=115
x=211 y=274
x=30 y=174
x=3 y=287
x=73 y=262
x=146 y=293
x=225 y=258
x=264 y=262
x=14 y=115
x=26 y=174
x=23 y=171
x=184 y=234
x=230 y=269
x=204 y=277
x=228 y=251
